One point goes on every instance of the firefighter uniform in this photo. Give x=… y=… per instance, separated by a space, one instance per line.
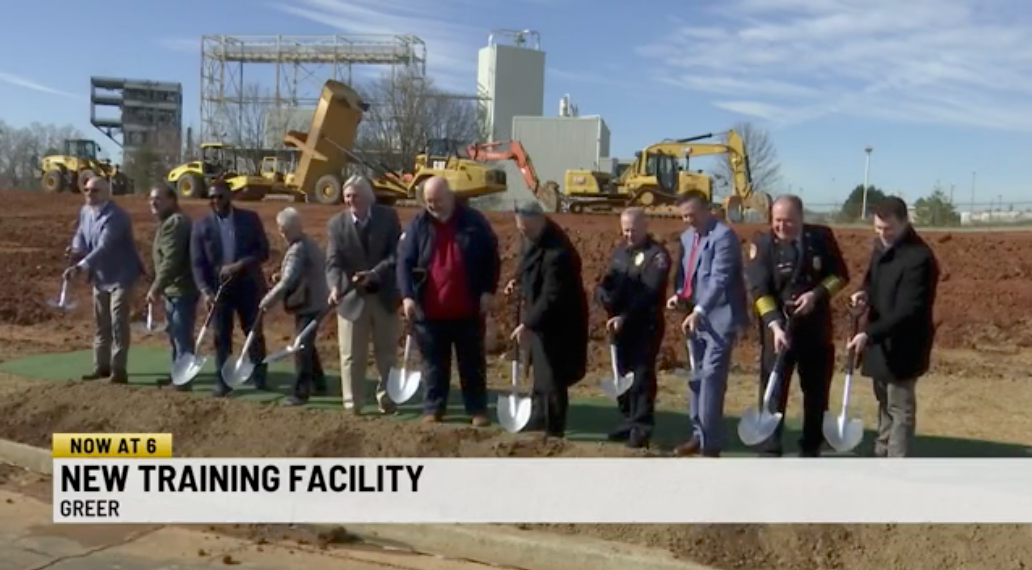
x=634 y=286
x=778 y=272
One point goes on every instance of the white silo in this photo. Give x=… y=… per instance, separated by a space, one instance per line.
x=511 y=78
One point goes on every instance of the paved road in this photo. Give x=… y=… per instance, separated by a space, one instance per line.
x=28 y=541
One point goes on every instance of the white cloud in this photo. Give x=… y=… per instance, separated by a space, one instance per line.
x=26 y=83
x=451 y=46
x=955 y=62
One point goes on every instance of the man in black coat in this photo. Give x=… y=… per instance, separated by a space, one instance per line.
x=899 y=293
x=554 y=320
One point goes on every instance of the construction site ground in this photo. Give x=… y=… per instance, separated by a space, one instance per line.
x=973 y=403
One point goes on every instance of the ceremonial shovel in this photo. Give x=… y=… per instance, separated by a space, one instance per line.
x=759 y=424
x=842 y=433
x=62 y=302
x=299 y=340
x=402 y=383
x=514 y=411
x=616 y=386
x=148 y=326
x=187 y=366
x=238 y=371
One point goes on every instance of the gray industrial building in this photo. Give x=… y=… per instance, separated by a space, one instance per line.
x=558 y=144
x=149 y=114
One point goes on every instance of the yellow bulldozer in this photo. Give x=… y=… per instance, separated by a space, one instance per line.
x=77 y=163
x=658 y=174
x=463 y=165
x=191 y=179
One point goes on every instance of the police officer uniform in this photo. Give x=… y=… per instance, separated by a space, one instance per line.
x=634 y=286
x=778 y=272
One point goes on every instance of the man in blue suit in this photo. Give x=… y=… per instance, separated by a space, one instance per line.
x=229 y=246
x=710 y=283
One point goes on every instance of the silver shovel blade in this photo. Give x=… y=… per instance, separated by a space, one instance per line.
x=616 y=387
x=513 y=412
x=65 y=305
x=402 y=384
x=757 y=426
x=186 y=368
x=237 y=372
x=842 y=434
x=281 y=354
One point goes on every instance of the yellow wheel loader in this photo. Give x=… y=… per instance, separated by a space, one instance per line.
x=77 y=163
x=191 y=179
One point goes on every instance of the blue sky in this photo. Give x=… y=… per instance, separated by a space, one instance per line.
x=939 y=88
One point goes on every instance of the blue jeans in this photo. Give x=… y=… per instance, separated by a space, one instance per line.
x=181 y=312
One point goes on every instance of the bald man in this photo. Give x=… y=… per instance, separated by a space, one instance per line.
x=104 y=249
x=794 y=271
x=633 y=292
x=447 y=270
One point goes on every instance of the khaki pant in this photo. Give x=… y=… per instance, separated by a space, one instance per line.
x=897 y=417
x=353 y=338
x=111 y=315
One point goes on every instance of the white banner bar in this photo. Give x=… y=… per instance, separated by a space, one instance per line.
x=670 y=491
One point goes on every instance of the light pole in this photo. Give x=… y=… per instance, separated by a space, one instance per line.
x=867 y=175
x=973 y=175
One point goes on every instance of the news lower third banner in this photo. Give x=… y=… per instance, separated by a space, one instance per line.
x=553 y=490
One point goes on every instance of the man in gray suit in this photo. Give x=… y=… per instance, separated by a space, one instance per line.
x=710 y=282
x=104 y=249
x=301 y=286
x=360 y=266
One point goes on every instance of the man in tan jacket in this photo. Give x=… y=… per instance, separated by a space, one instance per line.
x=360 y=269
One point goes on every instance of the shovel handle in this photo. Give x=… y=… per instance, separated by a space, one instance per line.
x=150 y=316
x=62 y=296
x=408 y=349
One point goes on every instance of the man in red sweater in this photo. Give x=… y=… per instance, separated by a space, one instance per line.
x=448 y=268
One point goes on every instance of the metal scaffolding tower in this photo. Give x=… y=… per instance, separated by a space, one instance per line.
x=147 y=113
x=284 y=72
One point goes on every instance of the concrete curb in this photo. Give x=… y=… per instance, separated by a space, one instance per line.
x=487 y=544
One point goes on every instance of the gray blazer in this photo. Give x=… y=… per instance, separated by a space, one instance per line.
x=345 y=255
x=302 y=267
x=104 y=239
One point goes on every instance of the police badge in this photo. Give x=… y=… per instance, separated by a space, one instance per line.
x=640 y=258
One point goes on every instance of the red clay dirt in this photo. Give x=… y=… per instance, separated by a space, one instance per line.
x=982 y=296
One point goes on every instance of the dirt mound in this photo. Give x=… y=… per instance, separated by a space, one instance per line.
x=32 y=411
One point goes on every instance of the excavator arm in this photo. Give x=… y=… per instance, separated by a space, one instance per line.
x=514 y=151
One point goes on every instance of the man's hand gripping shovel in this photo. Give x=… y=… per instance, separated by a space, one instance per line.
x=187 y=366
x=843 y=433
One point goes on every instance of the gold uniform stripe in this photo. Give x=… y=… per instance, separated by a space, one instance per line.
x=833 y=284
x=765 y=305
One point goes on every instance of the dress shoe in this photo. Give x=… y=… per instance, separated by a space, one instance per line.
x=96 y=375
x=480 y=420
x=119 y=378
x=637 y=440
x=294 y=401
x=619 y=435
x=688 y=448
x=431 y=418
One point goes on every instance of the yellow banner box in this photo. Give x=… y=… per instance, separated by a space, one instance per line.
x=111 y=445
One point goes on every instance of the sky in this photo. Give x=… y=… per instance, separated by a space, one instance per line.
x=940 y=89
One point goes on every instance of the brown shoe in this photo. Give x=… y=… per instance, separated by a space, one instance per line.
x=431 y=418
x=688 y=448
x=480 y=420
x=95 y=375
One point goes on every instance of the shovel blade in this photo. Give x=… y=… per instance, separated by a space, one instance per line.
x=402 y=385
x=513 y=412
x=842 y=433
x=66 y=306
x=616 y=387
x=186 y=368
x=237 y=372
x=757 y=426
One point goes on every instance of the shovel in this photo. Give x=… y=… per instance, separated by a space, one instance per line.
x=758 y=424
x=187 y=366
x=841 y=432
x=402 y=383
x=62 y=301
x=299 y=341
x=514 y=410
x=615 y=386
x=148 y=326
x=237 y=371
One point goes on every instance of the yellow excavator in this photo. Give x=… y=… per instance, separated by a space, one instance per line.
x=658 y=174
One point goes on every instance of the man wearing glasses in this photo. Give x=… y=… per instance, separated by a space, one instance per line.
x=227 y=249
x=102 y=245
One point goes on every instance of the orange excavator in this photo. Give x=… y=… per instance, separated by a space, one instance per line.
x=513 y=150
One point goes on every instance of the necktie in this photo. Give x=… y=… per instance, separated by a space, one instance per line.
x=363 y=233
x=689 y=267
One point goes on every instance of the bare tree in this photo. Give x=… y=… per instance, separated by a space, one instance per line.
x=405 y=111
x=246 y=127
x=22 y=148
x=763 y=158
